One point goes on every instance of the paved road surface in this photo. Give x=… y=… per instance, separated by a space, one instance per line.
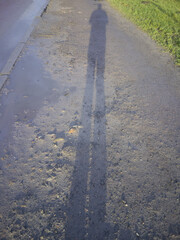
x=16 y=16
x=89 y=131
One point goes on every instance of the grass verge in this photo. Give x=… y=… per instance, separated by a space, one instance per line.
x=159 y=18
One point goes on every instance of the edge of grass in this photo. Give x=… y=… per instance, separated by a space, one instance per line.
x=159 y=18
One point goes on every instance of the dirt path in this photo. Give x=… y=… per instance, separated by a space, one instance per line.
x=89 y=132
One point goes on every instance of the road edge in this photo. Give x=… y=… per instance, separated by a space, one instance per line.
x=4 y=74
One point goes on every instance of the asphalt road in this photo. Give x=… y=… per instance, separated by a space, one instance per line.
x=89 y=131
x=16 y=16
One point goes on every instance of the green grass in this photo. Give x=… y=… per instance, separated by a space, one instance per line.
x=159 y=18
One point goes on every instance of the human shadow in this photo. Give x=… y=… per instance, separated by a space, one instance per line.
x=87 y=201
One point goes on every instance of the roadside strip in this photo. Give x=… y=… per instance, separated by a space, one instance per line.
x=4 y=74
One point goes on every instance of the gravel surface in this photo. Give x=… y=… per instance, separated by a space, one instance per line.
x=89 y=131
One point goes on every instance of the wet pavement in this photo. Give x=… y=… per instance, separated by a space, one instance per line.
x=89 y=131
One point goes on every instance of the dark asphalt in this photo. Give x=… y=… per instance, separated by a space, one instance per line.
x=89 y=131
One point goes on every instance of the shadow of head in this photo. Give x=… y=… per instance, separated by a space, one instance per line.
x=99 y=16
